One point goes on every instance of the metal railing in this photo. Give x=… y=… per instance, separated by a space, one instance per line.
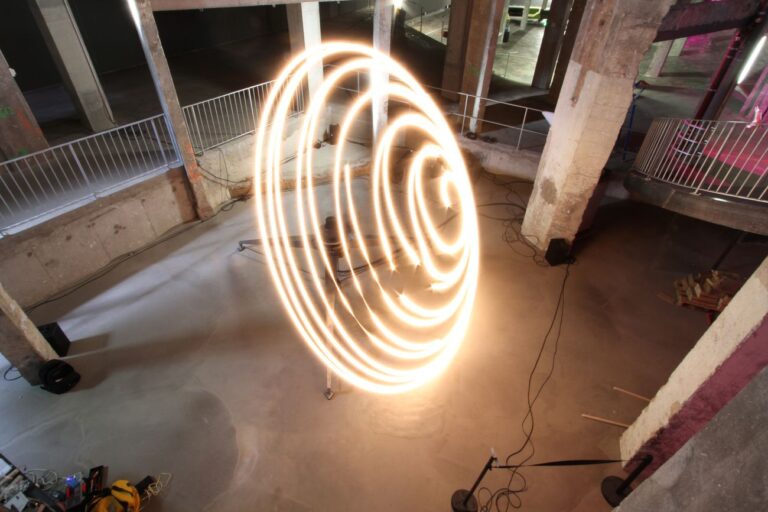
x=41 y=185
x=218 y=120
x=528 y=131
x=720 y=158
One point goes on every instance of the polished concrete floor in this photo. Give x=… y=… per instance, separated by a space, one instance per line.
x=190 y=366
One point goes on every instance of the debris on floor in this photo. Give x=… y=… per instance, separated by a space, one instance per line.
x=710 y=291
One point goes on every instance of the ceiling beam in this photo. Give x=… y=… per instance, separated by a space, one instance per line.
x=684 y=19
x=187 y=5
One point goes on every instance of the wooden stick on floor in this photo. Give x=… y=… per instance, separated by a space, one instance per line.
x=604 y=420
x=630 y=393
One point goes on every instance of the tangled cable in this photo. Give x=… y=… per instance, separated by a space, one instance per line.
x=379 y=339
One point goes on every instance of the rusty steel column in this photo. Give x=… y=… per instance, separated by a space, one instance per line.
x=19 y=131
x=144 y=19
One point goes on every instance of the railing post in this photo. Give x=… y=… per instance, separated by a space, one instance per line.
x=159 y=142
x=522 y=127
x=464 y=115
x=80 y=168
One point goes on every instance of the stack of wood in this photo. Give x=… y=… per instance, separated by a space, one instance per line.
x=711 y=290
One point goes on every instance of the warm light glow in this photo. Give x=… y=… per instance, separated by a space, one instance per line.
x=751 y=60
x=376 y=337
x=398 y=4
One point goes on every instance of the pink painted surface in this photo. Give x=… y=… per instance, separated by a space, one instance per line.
x=747 y=153
x=730 y=377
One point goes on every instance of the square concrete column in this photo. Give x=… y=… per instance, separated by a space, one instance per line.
x=456 y=48
x=479 y=57
x=144 y=19
x=596 y=93
x=304 y=33
x=659 y=58
x=59 y=29
x=20 y=341
x=19 y=131
x=383 y=13
x=551 y=43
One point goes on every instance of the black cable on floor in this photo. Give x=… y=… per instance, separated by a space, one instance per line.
x=507 y=497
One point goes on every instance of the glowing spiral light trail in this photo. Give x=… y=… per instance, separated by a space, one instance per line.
x=376 y=339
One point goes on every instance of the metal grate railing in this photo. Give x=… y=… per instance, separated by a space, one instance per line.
x=720 y=158
x=218 y=120
x=41 y=185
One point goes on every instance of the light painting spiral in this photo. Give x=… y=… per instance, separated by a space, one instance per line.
x=400 y=316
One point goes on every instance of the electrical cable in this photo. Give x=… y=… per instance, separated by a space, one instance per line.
x=9 y=370
x=509 y=495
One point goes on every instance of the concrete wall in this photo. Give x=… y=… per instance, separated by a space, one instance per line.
x=728 y=355
x=722 y=468
x=49 y=258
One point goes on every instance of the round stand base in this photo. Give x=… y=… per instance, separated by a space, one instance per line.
x=610 y=491
x=457 y=502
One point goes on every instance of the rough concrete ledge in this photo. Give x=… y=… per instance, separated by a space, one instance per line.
x=502 y=159
x=50 y=257
x=734 y=214
x=730 y=353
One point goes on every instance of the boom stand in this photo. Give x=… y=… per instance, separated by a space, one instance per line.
x=332 y=246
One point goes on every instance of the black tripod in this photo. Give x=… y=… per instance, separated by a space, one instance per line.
x=331 y=243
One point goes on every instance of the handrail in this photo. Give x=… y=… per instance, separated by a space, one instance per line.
x=717 y=158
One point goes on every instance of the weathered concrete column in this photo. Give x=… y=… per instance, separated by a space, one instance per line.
x=596 y=93
x=144 y=19
x=730 y=353
x=20 y=341
x=456 y=48
x=503 y=20
x=550 y=44
x=59 y=29
x=481 y=50
x=383 y=12
x=678 y=45
x=659 y=58
x=304 y=32
x=19 y=131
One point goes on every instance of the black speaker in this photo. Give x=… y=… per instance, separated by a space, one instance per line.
x=558 y=252
x=58 y=377
x=55 y=338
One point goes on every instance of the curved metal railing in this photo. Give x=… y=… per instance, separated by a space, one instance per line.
x=719 y=158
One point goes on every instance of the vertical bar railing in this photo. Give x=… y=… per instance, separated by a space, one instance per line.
x=40 y=185
x=720 y=158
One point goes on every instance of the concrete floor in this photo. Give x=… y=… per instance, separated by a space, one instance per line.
x=190 y=366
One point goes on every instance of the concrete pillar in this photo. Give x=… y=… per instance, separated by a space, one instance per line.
x=19 y=131
x=383 y=12
x=503 y=20
x=144 y=19
x=566 y=48
x=456 y=48
x=59 y=29
x=596 y=93
x=20 y=341
x=550 y=44
x=730 y=353
x=677 y=47
x=659 y=58
x=479 y=57
x=304 y=32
